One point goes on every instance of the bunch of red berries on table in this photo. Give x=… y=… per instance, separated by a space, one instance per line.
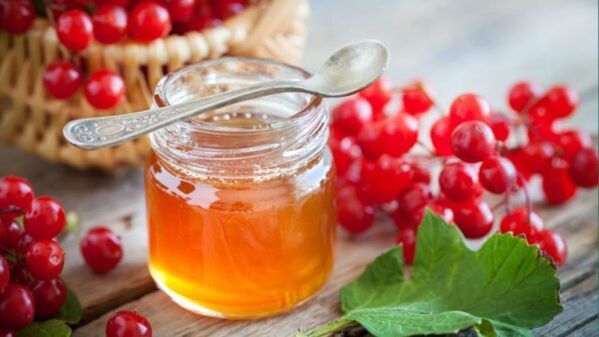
x=78 y=23
x=373 y=132
x=31 y=258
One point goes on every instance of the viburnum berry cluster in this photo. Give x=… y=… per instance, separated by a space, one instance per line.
x=78 y=23
x=372 y=133
x=31 y=259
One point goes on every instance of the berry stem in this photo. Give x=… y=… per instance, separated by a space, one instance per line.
x=11 y=209
x=508 y=205
x=524 y=185
x=427 y=148
x=438 y=108
x=328 y=328
x=498 y=204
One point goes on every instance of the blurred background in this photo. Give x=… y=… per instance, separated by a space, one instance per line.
x=472 y=46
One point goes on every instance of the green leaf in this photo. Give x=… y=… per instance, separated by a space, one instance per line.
x=50 y=328
x=71 y=310
x=503 y=290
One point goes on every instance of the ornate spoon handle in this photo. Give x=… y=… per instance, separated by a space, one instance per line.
x=95 y=133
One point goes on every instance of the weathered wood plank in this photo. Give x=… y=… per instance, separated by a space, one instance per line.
x=591 y=329
x=580 y=308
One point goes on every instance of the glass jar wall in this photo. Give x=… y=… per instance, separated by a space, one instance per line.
x=240 y=200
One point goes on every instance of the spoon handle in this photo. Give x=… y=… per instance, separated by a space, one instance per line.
x=99 y=132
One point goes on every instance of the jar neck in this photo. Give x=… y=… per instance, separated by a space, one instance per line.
x=261 y=139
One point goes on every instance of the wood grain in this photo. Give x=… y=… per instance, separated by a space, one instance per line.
x=457 y=47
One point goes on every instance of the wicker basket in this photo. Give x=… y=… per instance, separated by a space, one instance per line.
x=32 y=120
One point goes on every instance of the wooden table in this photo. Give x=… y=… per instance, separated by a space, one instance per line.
x=457 y=46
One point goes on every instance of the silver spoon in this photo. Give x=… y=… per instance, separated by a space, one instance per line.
x=345 y=72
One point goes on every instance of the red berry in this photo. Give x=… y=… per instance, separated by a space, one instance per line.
x=224 y=9
x=469 y=107
x=16 y=16
x=11 y=236
x=350 y=116
x=544 y=132
x=149 y=21
x=104 y=89
x=536 y=156
x=406 y=237
x=7 y=333
x=50 y=296
x=441 y=209
x=500 y=125
x=75 y=29
x=410 y=220
x=559 y=101
x=411 y=204
x=24 y=242
x=128 y=324
x=522 y=94
x=393 y=136
x=458 y=181
x=110 y=23
x=553 y=245
x=44 y=259
x=420 y=175
x=497 y=174
x=201 y=19
x=572 y=141
x=17 y=307
x=515 y=156
x=101 y=249
x=45 y=220
x=345 y=152
x=520 y=222
x=557 y=184
x=539 y=116
x=584 y=168
x=416 y=99
x=385 y=178
x=4 y=273
x=180 y=10
x=473 y=141
x=415 y=197
x=15 y=192
x=121 y=3
x=441 y=136
x=474 y=218
x=354 y=213
x=378 y=95
x=62 y=79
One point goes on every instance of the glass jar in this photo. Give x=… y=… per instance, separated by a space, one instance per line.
x=240 y=200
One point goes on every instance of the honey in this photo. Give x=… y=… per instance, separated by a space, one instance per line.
x=240 y=202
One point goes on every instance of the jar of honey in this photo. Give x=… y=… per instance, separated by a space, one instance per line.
x=240 y=200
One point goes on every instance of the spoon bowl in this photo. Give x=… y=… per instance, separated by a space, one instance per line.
x=350 y=69
x=345 y=72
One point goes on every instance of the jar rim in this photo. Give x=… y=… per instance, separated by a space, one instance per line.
x=161 y=94
x=205 y=147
